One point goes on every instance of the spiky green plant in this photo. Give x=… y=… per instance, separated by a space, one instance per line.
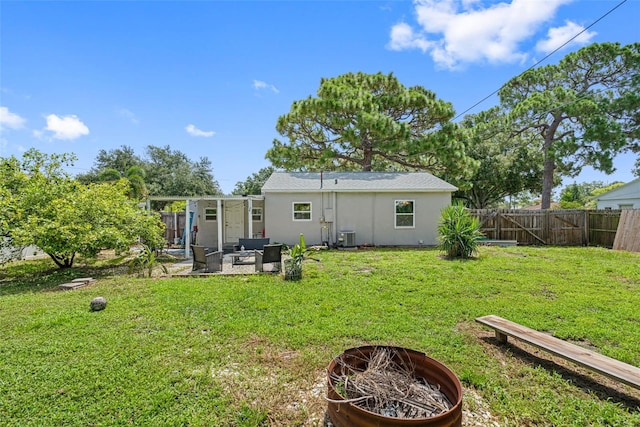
x=458 y=232
x=145 y=261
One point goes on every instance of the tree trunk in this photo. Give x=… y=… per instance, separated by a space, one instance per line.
x=549 y=165
x=62 y=261
x=547 y=181
x=367 y=156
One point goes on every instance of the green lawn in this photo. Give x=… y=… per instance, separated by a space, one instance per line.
x=251 y=350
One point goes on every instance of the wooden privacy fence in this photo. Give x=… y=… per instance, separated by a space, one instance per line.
x=628 y=235
x=574 y=227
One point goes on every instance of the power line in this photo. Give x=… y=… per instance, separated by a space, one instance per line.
x=543 y=59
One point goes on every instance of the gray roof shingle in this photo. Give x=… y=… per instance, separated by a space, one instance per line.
x=355 y=181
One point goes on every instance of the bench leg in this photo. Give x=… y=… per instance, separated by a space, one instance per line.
x=501 y=337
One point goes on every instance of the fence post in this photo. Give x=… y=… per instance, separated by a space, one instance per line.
x=545 y=225
x=585 y=228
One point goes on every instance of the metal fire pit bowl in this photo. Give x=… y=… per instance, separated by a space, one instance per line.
x=350 y=415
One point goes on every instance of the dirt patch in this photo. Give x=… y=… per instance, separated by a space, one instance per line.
x=281 y=383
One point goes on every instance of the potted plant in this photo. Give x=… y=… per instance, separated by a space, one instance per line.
x=293 y=265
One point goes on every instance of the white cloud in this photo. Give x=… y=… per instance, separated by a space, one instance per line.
x=66 y=127
x=10 y=120
x=556 y=37
x=403 y=37
x=194 y=131
x=127 y=114
x=259 y=84
x=456 y=32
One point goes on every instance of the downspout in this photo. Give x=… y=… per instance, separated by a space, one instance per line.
x=220 y=219
x=335 y=218
x=250 y=216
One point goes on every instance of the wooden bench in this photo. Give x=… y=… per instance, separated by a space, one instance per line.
x=604 y=365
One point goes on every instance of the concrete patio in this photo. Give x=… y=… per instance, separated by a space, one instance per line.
x=183 y=268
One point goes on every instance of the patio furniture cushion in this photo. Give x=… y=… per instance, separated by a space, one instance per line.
x=251 y=244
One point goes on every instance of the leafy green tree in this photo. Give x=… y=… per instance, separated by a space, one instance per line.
x=119 y=159
x=507 y=165
x=521 y=200
x=163 y=172
x=134 y=177
x=171 y=173
x=370 y=122
x=11 y=178
x=585 y=109
x=605 y=189
x=64 y=217
x=579 y=196
x=176 y=206
x=584 y=195
x=254 y=183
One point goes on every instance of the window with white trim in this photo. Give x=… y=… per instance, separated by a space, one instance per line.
x=625 y=206
x=404 y=214
x=256 y=214
x=210 y=214
x=302 y=211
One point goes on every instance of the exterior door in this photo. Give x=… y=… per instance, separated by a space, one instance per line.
x=233 y=221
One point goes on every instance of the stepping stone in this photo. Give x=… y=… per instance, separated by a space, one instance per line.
x=83 y=280
x=73 y=285
x=77 y=283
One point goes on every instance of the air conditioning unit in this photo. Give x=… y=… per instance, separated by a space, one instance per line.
x=348 y=239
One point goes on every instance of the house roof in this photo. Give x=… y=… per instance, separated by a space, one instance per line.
x=355 y=182
x=629 y=190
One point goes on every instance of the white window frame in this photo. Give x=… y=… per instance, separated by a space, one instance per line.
x=294 y=212
x=625 y=206
x=396 y=214
x=208 y=215
x=256 y=212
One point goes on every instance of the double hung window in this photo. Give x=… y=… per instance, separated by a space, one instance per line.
x=404 y=214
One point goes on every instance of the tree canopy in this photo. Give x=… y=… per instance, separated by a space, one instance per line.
x=370 y=122
x=162 y=172
x=507 y=165
x=584 y=109
x=172 y=173
x=254 y=183
x=583 y=195
x=63 y=217
x=134 y=177
x=118 y=159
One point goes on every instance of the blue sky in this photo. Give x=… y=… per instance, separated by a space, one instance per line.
x=210 y=78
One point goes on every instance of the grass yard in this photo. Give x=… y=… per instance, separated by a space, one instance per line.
x=251 y=350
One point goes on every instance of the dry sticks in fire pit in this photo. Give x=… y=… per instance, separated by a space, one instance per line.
x=388 y=386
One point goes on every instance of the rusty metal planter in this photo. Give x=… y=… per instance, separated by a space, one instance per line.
x=348 y=414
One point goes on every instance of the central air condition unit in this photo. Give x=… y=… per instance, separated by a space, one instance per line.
x=348 y=239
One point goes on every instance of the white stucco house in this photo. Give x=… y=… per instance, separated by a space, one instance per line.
x=334 y=208
x=355 y=208
x=624 y=197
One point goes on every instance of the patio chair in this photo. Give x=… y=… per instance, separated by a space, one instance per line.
x=209 y=261
x=270 y=254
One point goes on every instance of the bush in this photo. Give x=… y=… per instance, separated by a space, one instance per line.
x=458 y=232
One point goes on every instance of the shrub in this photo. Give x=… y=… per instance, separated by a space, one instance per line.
x=458 y=232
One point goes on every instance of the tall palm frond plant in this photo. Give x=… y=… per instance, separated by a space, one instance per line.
x=458 y=232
